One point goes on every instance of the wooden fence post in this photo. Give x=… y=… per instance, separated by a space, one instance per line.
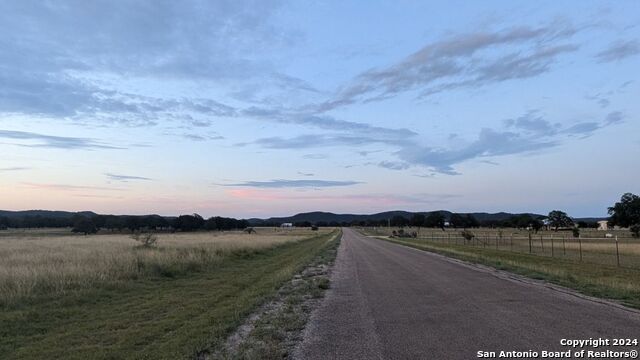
x=580 y=247
x=564 y=247
x=511 y=242
x=551 y=245
x=617 y=251
x=530 y=242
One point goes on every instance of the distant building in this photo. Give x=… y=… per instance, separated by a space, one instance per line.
x=286 y=225
x=603 y=225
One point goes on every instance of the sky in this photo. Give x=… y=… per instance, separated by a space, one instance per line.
x=269 y=108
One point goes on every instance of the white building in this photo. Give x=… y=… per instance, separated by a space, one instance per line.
x=286 y=225
x=603 y=225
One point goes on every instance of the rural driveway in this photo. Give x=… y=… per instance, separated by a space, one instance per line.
x=392 y=302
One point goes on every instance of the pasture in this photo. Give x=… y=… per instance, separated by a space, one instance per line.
x=105 y=296
x=589 y=265
x=592 y=246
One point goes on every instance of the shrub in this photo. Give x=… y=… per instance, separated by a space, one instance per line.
x=467 y=235
x=576 y=232
x=145 y=239
x=85 y=226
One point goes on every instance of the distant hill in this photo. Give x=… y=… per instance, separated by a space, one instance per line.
x=44 y=213
x=313 y=217
x=319 y=216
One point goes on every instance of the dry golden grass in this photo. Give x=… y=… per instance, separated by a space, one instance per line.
x=52 y=262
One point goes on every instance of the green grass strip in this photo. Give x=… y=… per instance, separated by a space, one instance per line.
x=156 y=318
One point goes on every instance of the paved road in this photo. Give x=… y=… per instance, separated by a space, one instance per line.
x=392 y=302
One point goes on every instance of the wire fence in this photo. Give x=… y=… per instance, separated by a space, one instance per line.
x=616 y=250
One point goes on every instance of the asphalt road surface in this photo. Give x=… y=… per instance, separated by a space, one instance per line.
x=392 y=302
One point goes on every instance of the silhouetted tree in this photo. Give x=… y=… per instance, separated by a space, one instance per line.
x=558 y=219
x=84 y=225
x=4 y=223
x=587 y=225
x=113 y=222
x=471 y=221
x=399 y=221
x=626 y=213
x=188 y=222
x=132 y=223
x=223 y=223
x=434 y=220
x=536 y=224
x=418 y=220
x=457 y=220
x=575 y=231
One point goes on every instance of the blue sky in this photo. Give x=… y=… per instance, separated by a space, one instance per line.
x=264 y=108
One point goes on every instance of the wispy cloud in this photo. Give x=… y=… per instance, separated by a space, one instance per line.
x=306 y=118
x=14 y=168
x=601 y=99
x=59 y=142
x=199 y=137
x=321 y=140
x=125 y=178
x=305 y=174
x=394 y=165
x=528 y=133
x=489 y=143
x=315 y=156
x=378 y=199
x=619 y=50
x=462 y=60
x=66 y=187
x=282 y=183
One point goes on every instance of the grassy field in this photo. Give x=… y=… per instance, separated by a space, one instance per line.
x=601 y=280
x=591 y=247
x=102 y=296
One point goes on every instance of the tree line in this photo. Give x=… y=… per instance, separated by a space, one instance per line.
x=624 y=213
x=129 y=223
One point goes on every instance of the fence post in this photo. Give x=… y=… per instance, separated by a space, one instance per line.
x=511 y=241
x=564 y=247
x=541 y=244
x=530 y=242
x=617 y=251
x=580 y=247
x=551 y=245
x=496 y=243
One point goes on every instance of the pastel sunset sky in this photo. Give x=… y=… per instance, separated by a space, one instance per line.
x=267 y=108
